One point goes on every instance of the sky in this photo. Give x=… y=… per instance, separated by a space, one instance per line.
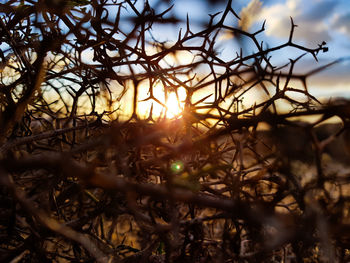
x=317 y=20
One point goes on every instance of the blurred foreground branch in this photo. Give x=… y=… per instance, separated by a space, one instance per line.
x=120 y=146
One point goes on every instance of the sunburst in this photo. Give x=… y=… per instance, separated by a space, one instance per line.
x=168 y=105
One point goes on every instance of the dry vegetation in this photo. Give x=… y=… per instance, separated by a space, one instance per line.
x=83 y=181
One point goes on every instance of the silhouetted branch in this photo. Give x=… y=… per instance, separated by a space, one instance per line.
x=94 y=165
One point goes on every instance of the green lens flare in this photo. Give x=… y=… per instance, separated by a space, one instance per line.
x=177 y=167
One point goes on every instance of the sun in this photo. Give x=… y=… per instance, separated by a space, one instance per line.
x=170 y=105
x=174 y=106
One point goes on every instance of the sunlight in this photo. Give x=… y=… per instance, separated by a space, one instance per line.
x=168 y=105
x=174 y=106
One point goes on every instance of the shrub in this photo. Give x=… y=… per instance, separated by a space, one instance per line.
x=91 y=170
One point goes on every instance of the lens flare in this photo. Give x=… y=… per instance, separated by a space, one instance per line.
x=177 y=167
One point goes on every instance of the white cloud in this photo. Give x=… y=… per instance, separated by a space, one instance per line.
x=341 y=23
x=249 y=13
x=310 y=17
x=293 y=5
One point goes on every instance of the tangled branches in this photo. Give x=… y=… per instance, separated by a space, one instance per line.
x=95 y=166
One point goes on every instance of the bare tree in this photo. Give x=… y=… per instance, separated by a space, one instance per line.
x=87 y=174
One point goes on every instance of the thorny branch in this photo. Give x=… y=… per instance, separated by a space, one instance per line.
x=89 y=172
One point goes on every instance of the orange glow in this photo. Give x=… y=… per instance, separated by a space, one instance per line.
x=168 y=105
x=174 y=106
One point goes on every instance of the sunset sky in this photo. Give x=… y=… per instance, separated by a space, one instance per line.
x=317 y=20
